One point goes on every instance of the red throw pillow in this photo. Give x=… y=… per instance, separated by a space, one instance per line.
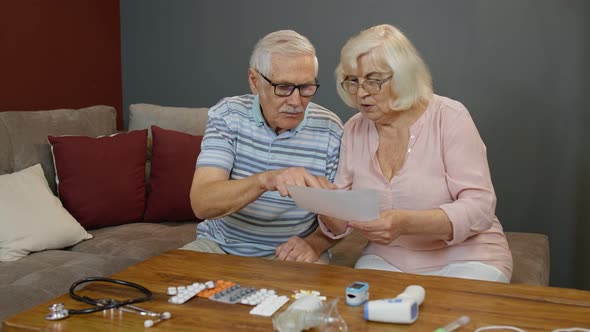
x=174 y=156
x=101 y=181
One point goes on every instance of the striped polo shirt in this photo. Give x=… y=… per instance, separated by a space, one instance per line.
x=239 y=140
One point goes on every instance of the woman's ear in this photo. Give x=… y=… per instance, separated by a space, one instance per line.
x=253 y=81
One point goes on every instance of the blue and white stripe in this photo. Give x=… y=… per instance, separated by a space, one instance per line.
x=238 y=140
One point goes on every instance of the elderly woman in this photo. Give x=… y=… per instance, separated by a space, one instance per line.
x=423 y=155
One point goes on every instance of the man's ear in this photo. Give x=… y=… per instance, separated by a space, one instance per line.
x=253 y=81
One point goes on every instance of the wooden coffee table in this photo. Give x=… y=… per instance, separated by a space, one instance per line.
x=530 y=308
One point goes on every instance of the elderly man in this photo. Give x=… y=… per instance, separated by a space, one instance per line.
x=255 y=146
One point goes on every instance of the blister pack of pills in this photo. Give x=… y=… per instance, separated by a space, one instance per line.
x=219 y=286
x=182 y=294
x=258 y=296
x=265 y=301
x=269 y=305
x=232 y=294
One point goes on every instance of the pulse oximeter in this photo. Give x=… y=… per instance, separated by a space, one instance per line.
x=357 y=293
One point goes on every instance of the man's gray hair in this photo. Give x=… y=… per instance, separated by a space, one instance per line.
x=284 y=42
x=388 y=50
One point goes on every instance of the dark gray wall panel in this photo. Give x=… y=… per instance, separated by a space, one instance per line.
x=520 y=67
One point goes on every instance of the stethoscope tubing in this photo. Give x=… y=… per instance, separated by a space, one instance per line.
x=104 y=304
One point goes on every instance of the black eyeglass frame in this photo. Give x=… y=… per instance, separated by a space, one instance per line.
x=291 y=86
x=379 y=84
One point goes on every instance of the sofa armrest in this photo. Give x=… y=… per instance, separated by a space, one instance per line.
x=530 y=255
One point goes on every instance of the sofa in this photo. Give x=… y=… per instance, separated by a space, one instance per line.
x=48 y=272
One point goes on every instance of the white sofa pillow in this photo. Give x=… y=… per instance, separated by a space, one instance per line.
x=32 y=218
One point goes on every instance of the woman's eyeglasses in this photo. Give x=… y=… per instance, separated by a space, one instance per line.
x=371 y=86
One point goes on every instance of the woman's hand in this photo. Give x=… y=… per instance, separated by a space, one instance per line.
x=383 y=230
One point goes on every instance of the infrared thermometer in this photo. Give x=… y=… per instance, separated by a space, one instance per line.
x=403 y=309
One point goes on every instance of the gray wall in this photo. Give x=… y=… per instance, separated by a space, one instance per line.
x=520 y=67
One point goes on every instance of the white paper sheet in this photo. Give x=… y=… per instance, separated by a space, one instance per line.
x=359 y=205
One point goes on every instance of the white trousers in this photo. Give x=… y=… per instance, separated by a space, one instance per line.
x=466 y=270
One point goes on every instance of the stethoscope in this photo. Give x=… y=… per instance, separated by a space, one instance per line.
x=57 y=311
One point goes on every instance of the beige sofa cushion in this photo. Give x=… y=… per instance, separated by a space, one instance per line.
x=45 y=275
x=32 y=218
x=138 y=241
x=191 y=121
x=25 y=134
x=187 y=120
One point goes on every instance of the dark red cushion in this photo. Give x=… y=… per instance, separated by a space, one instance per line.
x=174 y=155
x=101 y=181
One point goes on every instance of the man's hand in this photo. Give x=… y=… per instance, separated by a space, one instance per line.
x=325 y=183
x=296 y=249
x=293 y=176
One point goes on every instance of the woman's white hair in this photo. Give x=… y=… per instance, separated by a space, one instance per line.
x=387 y=50
x=283 y=42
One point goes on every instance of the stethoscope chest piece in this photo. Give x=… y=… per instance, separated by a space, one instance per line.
x=57 y=312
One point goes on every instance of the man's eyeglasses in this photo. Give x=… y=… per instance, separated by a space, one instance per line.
x=371 y=86
x=285 y=90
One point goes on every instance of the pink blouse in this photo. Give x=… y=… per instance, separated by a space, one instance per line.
x=446 y=167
